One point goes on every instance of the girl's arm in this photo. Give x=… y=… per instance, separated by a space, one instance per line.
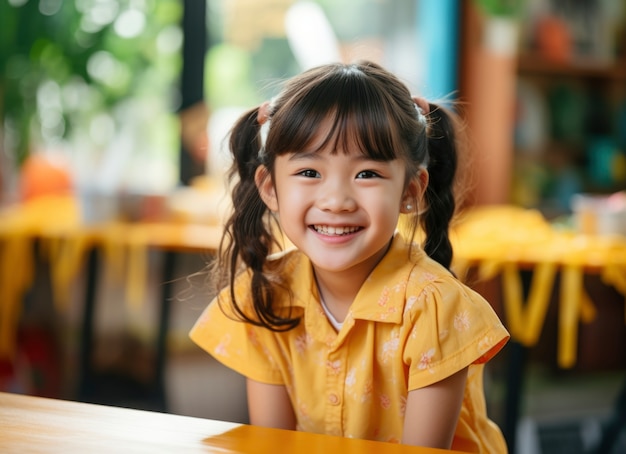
x=432 y=412
x=269 y=406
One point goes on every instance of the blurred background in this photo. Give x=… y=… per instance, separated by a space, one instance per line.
x=113 y=115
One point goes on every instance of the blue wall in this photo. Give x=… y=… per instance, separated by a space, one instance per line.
x=438 y=23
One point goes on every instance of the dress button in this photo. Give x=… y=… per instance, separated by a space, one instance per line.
x=333 y=399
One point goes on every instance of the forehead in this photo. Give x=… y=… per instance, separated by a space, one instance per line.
x=328 y=135
x=347 y=134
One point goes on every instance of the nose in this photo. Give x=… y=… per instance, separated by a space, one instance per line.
x=336 y=196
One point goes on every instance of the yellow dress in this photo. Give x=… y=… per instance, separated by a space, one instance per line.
x=412 y=324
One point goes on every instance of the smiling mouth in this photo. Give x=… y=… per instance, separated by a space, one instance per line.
x=335 y=231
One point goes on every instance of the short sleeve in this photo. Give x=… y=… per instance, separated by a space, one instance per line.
x=450 y=327
x=243 y=347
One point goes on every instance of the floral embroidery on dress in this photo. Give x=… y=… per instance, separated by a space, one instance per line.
x=388 y=312
x=304 y=418
x=221 y=348
x=462 y=321
x=330 y=340
x=424 y=294
x=352 y=385
x=390 y=347
x=269 y=356
x=485 y=344
x=426 y=359
x=334 y=366
x=302 y=342
x=410 y=302
x=383 y=299
x=400 y=287
x=385 y=401
x=402 y=409
x=368 y=388
x=351 y=378
x=419 y=275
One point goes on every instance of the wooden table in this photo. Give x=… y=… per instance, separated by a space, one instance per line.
x=35 y=424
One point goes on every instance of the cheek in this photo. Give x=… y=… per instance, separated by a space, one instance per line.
x=385 y=208
x=389 y=200
x=292 y=197
x=391 y=215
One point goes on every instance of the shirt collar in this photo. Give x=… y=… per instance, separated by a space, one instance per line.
x=382 y=295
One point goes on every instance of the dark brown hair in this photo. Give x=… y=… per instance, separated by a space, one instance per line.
x=363 y=102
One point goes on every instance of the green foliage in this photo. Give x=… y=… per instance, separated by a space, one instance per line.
x=76 y=42
x=504 y=8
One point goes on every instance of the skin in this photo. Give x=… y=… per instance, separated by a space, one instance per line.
x=341 y=209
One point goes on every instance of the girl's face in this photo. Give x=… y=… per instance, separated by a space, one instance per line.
x=338 y=207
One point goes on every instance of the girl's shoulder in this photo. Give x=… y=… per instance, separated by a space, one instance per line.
x=282 y=269
x=285 y=266
x=407 y=272
x=429 y=272
x=426 y=277
x=287 y=257
x=279 y=264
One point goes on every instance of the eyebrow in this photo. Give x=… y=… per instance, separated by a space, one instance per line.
x=315 y=155
x=303 y=155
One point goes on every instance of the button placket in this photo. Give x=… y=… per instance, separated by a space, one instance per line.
x=333 y=399
x=335 y=372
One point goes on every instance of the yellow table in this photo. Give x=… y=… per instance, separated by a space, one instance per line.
x=35 y=424
x=70 y=246
x=64 y=240
x=504 y=241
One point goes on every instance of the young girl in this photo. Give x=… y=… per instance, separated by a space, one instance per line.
x=357 y=331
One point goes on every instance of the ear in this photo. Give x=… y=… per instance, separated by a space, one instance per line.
x=265 y=186
x=414 y=192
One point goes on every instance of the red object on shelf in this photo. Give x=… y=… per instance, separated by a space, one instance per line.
x=554 y=39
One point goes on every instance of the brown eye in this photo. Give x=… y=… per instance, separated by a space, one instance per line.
x=367 y=174
x=309 y=173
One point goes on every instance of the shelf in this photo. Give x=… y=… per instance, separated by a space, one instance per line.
x=536 y=64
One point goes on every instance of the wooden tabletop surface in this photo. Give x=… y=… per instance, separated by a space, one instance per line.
x=40 y=425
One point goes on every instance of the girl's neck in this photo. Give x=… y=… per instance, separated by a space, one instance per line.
x=337 y=292
x=340 y=289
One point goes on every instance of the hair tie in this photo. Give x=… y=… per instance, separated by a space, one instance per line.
x=264 y=113
x=422 y=104
x=262 y=117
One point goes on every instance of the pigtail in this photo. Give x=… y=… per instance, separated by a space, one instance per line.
x=248 y=240
x=440 y=199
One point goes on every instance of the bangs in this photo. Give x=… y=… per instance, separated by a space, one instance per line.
x=352 y=110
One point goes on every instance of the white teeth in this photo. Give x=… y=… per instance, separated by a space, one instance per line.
x=330 y=230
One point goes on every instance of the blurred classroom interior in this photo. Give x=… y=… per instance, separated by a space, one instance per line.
x=113 y=115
